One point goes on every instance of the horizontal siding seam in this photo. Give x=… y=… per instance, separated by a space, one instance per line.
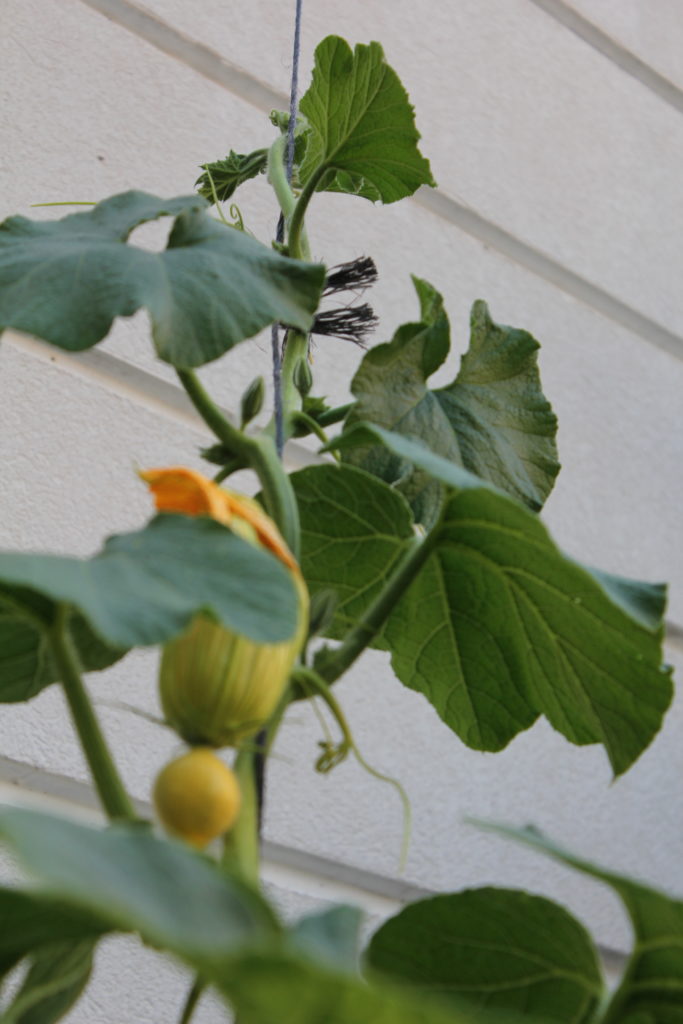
x=613 y=51
x=135 y=384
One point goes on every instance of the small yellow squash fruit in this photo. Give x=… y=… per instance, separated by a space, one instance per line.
x=197 y=797
x=218 y=687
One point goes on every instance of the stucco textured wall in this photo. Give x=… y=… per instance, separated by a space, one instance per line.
x=558 y=161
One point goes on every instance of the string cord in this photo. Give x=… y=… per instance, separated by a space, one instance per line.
x=261 y=739
x=280 y=234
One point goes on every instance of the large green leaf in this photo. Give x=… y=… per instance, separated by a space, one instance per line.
x=496 y=948
x=144 y=587
x=362 y=137
x=493 y=419
x=127 y=879
x=499 y=626
x=55 y=980
x=26 y=665
x=65 y=281
x=651 y=991
x=354 y=530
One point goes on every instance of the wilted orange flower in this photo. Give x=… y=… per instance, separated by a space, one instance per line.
x=218 y=686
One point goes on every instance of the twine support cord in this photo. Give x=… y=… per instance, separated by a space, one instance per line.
x=280 y=234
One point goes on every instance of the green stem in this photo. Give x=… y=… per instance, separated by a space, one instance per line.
x=278 y=493
x=302 y=419
x=331 y=664
x=258 y=453
x=241 y=846
x=296 y=348
x=277 y=176
x=113 y=796
x=238 y=443
x=296 y=238
x=233 y=466
x=193 y=997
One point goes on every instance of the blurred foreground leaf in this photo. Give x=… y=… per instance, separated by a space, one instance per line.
x=67 y=280
x=145 y=587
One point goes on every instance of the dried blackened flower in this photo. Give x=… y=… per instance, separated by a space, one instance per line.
x=352 y=323
x=357 y=275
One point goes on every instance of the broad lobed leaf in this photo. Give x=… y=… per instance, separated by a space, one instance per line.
x=354 y=530
x=651 y=988
x=524 y=631
x=493 y=419
x=500 y=627
x=498 y=948
x=211 y=288
x=362 y=137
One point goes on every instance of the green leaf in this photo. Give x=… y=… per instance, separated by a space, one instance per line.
x=26 y=665
x=55 y=981
x=264 y=989
x=652 y=985
x=228 y=174
x=500 y=626
x=31 y=922
x=354 y=530
x=145 y=587
x=65 y=281
x=127 y=879
x=498 y=948
x=362 y=136
x=330 y=937
x=493 y=419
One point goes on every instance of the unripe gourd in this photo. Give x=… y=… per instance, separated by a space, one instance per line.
x=197 y=797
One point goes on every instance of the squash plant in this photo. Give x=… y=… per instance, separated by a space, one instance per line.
x=420 y=534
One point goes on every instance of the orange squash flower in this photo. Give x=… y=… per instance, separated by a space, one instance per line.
x=217 y=686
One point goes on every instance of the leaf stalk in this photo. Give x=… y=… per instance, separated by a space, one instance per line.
x=257 y=452
x=110 y=789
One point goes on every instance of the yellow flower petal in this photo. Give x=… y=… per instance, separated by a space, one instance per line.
x=184 y=490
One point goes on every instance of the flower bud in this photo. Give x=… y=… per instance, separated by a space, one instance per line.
x=251 y=402
x=218 y=686
x=302 y=377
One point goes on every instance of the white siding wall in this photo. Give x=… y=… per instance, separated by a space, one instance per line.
x=556 y=136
